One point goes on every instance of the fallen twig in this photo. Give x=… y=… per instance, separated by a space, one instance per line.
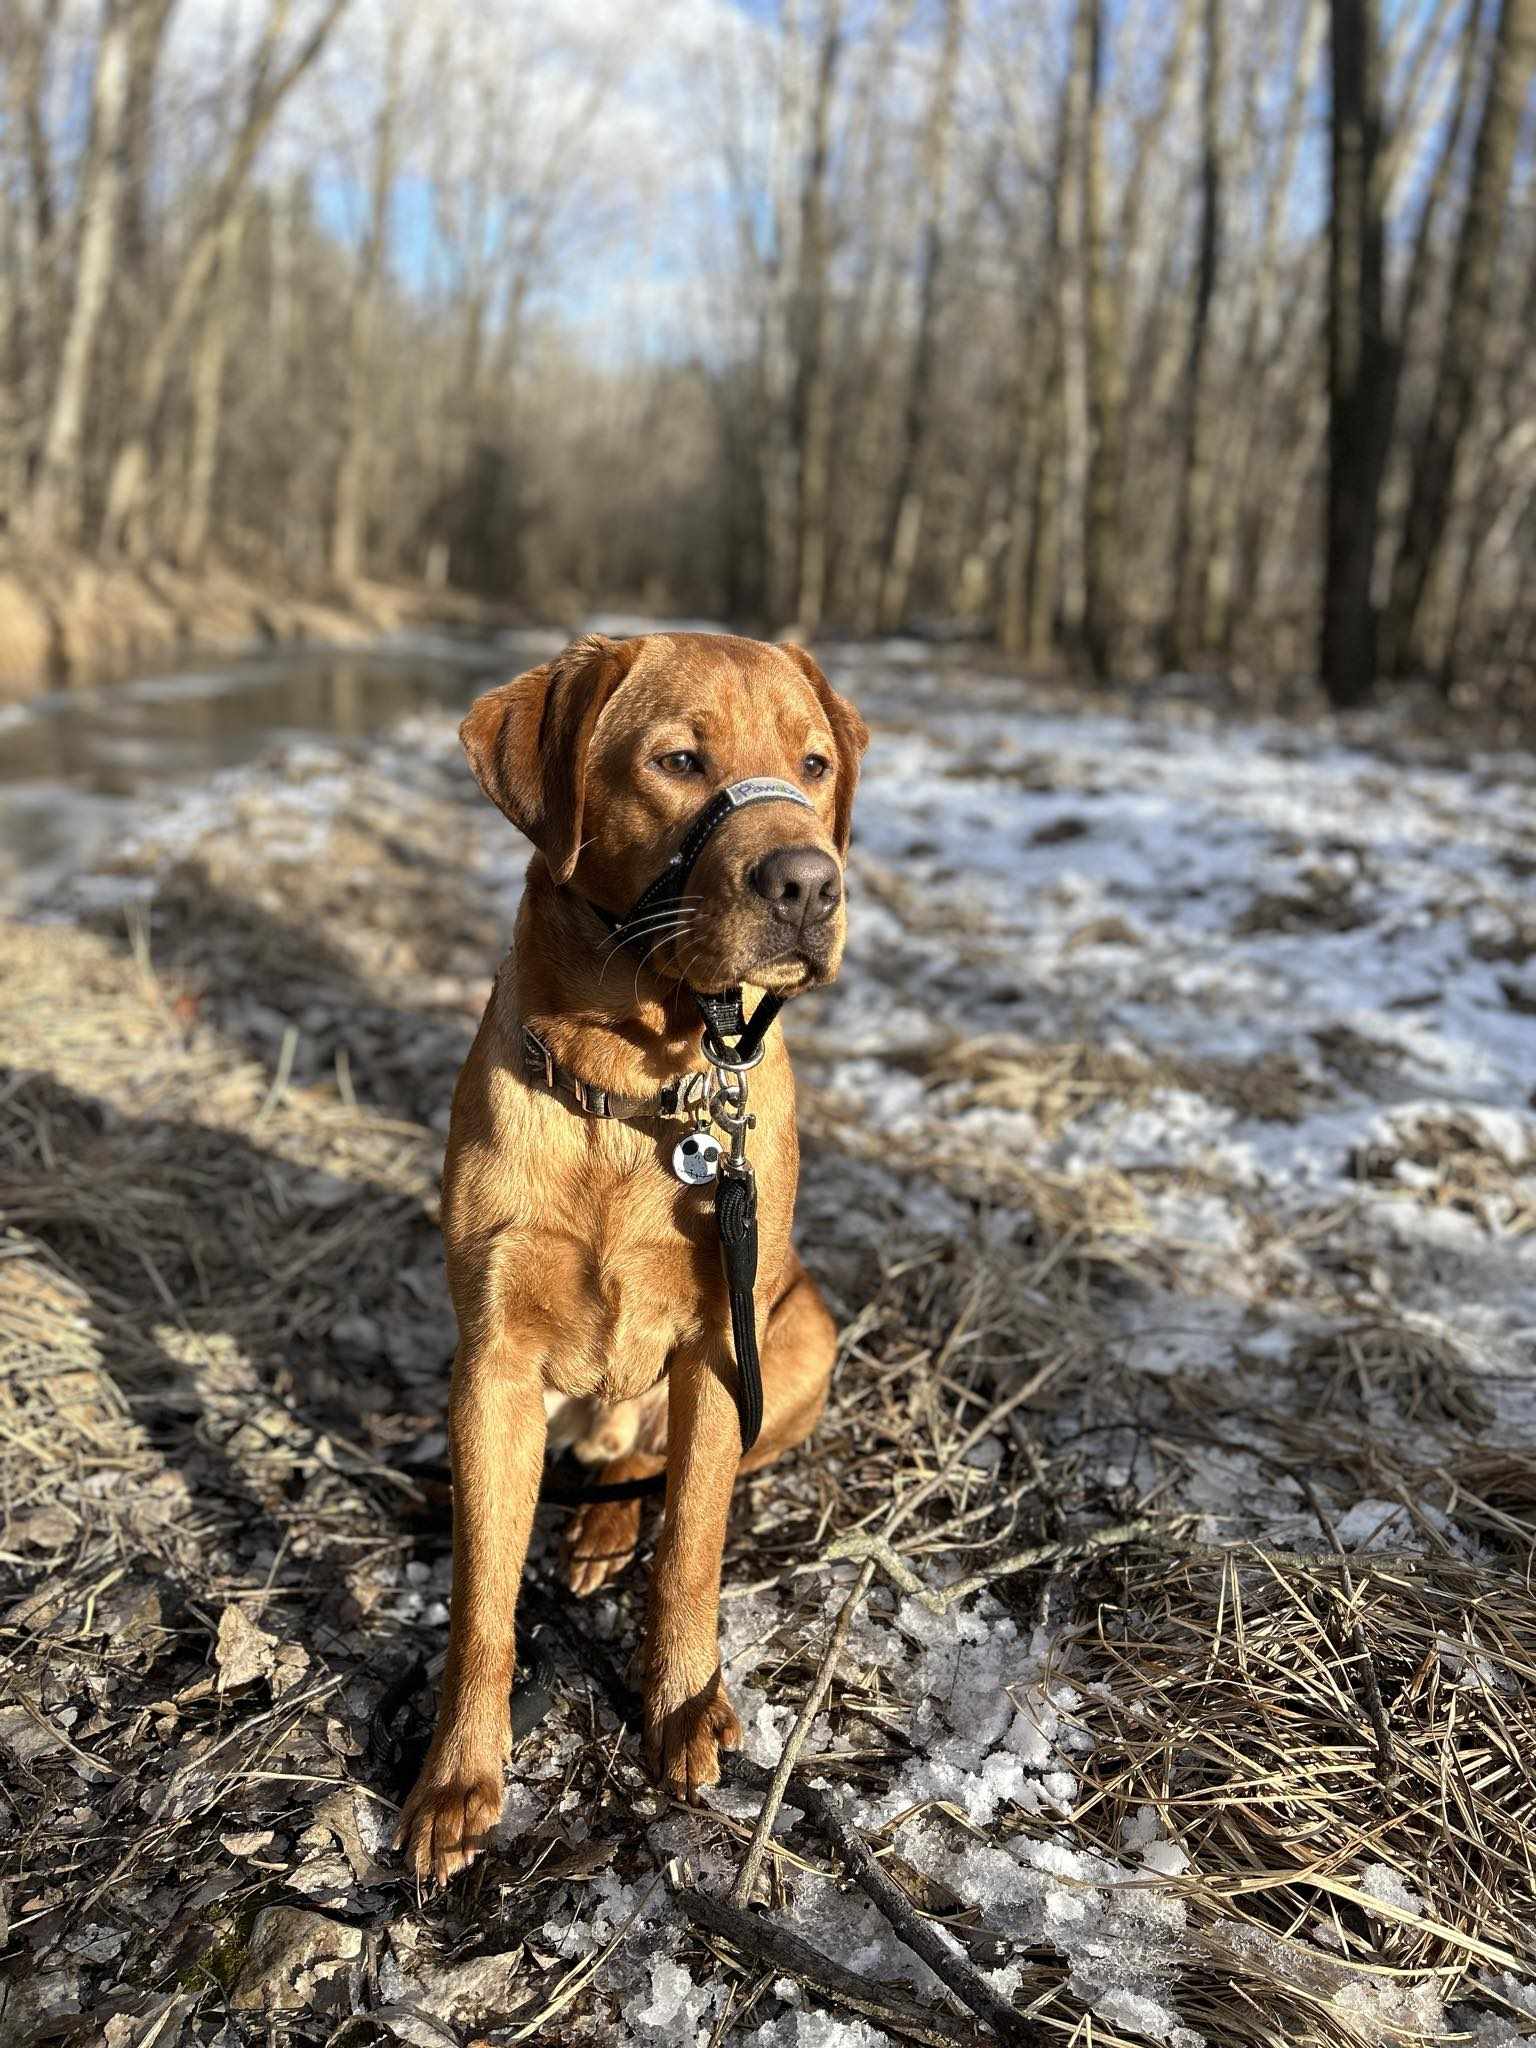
x=1371 y=1683
x=883 y=1892
x=910 y=1501
x=771 y=1945
x=751 y=1862
x=862 y=1547
x=918 y=1933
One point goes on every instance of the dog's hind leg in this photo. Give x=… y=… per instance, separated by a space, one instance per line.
x=799 y=1347
x=631 y=1439
x=600 y=1538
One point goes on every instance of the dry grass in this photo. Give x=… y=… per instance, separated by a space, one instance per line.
x=1056 y=1084
x=1233 y=1693
x=1447 y=1162
x=1416 y=1366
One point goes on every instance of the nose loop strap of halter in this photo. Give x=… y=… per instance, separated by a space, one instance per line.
x=722 y=1011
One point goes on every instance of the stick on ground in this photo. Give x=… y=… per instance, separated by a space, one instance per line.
x=752 y=1861
x=924 y=1940
x=772 y=1946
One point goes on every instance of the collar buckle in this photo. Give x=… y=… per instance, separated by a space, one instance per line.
x=686 y=1096
x=538 y=1060
x=592 y=1100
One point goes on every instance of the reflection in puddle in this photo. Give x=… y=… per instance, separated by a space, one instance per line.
x=78 y=765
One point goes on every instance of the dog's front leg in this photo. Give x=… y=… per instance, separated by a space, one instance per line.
x=496 y=1427
x=688 y=1717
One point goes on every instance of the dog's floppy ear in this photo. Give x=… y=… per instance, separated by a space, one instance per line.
x=848 y=730
x=528 y=742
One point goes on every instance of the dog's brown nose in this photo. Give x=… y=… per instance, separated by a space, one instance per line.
x=801 y=884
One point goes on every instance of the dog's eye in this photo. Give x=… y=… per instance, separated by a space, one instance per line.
x=681 y=763
x=815 y=766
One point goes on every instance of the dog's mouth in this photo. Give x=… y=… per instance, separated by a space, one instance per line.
x=788 y=967
x=787 y=963
x=789 y=974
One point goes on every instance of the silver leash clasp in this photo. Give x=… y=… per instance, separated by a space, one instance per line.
x=728 y=1108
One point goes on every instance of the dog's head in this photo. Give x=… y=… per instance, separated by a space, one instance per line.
x=606 y=754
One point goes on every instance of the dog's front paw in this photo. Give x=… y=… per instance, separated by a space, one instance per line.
x=685 y=1735
x=599 y=1543
x=453 y=1806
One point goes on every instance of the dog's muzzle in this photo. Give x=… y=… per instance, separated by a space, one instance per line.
x=722 y=1009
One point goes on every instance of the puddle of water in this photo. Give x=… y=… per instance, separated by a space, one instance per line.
x=78 y=765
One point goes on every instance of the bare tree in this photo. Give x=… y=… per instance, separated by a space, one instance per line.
x=271 y=80
x=1191 y=622
x=207 y=396
x=352 y=469
x=909 y=495
x=1261 y=353
x=1464 y=344
x=1103 y=363
x=55 y=509
x=920 y=307
x=811 y=330
x=1069 y=277
x=1358 y=356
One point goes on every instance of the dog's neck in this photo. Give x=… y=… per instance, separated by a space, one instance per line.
x=617 y=1028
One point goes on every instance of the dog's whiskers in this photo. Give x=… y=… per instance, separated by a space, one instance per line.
x=650 y=925
x=687 y=968
x=659 y=933
x=659 y=921
x=651 y=951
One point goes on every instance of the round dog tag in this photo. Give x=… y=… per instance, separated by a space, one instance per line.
x=696 y=1158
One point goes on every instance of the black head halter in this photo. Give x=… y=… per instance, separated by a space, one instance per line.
x=637 y=928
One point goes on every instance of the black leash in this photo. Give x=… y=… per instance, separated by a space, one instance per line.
x=736 y=1221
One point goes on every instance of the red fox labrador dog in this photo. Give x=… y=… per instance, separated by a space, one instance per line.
x=585 y=1271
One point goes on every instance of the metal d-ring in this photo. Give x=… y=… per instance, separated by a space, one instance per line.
x=717 y=1056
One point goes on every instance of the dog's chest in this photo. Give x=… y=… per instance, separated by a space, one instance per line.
x=633 y=1268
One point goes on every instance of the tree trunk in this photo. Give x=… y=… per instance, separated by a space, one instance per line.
x=208 y=400
x=1043 y=566
x=1104 y=367
x=347 y=526
x=907 y=498
x=872 y=310
x=1465 y=341
x=131 y=467
x=29 y=262
x=147 y=40
x=1416 y=281
x=26 y=65
x=1037 y=444
x=1191 y=635
x=1261 y=350
x=813 y=366
x=1358 y=357
x=54 y=511
x=775 y=367
x=1070 y=292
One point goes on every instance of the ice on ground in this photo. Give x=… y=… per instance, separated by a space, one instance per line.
x=1381 y=1881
